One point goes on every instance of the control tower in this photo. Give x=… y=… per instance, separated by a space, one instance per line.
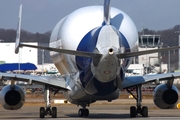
x=151 y=61
x=149 y=41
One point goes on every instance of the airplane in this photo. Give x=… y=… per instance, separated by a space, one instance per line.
x=92 y=48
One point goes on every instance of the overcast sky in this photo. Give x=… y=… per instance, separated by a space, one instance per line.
x=42 y=15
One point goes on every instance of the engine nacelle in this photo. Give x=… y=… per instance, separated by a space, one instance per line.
x=164 y=97
x=12 y=97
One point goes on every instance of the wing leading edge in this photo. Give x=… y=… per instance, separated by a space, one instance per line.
x=136 y=80
x=44 y=80
x=133 y=54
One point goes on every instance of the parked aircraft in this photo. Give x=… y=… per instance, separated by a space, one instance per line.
x=92 y=48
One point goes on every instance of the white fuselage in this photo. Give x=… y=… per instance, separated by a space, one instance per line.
x=84 y=30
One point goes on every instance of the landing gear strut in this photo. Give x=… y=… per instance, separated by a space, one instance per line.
x=138 y=109
x=48 y=111
x=83 y=111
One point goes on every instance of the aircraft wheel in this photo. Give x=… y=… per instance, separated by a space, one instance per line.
x=42 y=112
x=81 y=112
x=144 y=111
x=86 y=112
x=54 y=112
x=133 y=111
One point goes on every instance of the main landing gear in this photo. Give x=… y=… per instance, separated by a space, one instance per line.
x=138 y=109
x=47 y=111
x=83 y=111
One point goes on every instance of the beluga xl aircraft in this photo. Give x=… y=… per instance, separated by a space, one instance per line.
x=92 y=48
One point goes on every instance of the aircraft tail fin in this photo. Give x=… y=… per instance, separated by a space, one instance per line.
x=107 y=8
x=17 y=44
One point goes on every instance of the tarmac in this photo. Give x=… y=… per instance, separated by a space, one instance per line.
x=118 y=109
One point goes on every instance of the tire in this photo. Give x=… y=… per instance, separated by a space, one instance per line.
x=54 y=112
x=81 y=112
x=86 y=112
x=144 y=111
x=133 y=111
x=41 y=112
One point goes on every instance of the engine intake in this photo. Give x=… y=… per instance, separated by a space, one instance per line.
x=164 y=97
x=12 y=97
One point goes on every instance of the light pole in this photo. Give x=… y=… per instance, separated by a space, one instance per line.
x=160 y=57
x=19 y=64
x=179 y=49
x=146 y=61
x=42 y=62
x=146 y=65
x=168 y=61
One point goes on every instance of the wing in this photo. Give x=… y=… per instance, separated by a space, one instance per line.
x=135 y=80
x=133 y=54
x=44 y=80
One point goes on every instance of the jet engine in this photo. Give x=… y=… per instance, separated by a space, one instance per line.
x=12 y=97
x=165 y=97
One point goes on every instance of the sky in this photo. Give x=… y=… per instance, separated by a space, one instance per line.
x=42 y=15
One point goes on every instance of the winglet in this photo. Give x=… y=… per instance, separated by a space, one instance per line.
x=107 y=11
x=17 y=44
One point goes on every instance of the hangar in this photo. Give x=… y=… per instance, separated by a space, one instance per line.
x=25 y=55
